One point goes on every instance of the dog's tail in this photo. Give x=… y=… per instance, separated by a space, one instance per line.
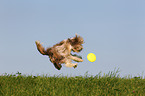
x=40 y=48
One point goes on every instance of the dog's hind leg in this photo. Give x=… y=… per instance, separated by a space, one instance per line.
x=57 y=66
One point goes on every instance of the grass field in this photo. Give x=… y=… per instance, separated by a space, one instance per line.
x=107 y=85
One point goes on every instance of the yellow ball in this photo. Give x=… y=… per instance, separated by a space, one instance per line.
x=91 y=57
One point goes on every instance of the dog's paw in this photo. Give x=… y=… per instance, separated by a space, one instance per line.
x=75 y=66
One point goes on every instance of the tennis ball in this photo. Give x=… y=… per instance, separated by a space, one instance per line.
x=91 y=57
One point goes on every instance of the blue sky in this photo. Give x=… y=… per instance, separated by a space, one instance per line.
x=112 y=29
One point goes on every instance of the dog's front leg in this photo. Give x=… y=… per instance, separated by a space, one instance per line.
x=76 y=58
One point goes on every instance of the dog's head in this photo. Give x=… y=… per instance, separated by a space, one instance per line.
x=76 y=42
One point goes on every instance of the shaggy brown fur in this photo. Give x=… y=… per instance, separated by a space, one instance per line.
x=61 y=52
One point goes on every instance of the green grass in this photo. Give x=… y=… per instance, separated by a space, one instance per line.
x=107 y=85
